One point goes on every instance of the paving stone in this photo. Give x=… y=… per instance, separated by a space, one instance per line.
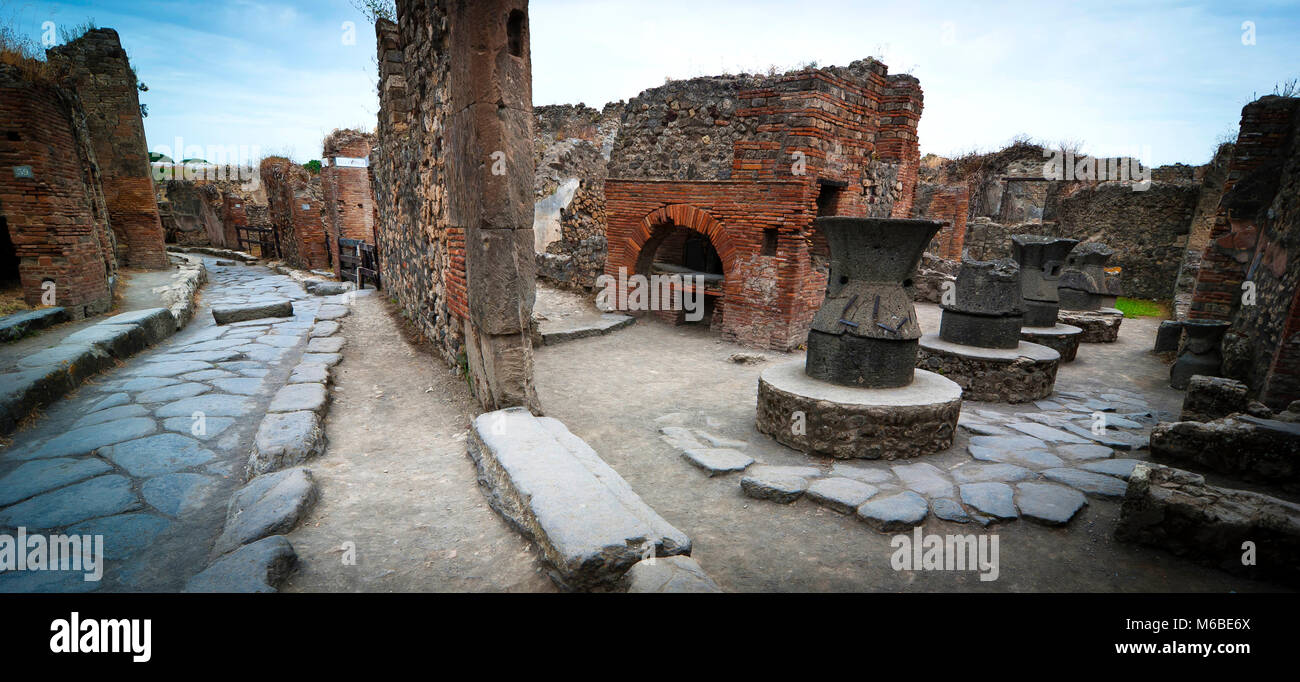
x=169 y=393
x=843 y=495
x=776 y=470
x=1034 y=459
x=1008 y=442
x=1120 y=468
x=325 y=328
x=586 y=521
x=680 y=437
x=284 y=440
x=255 y=373
x=227 y=314
x=240 y=365
x=46 y=582
x=1047 y=405
x=991 y=499
x=1114 y=439
x=297 y=397
x=279 y=340
x=896 y=512
x=858 y=472
x=160 y=454
x=265 y=354
x=669 y=575
x=949 y=509
x=1046 y=433
x=157 y=323
x=81 y=360
x=102 y=496
x=328 y=288
x=775 y=487
x=173 y=494
x=147 y=384
x=1048 y=503
x=1114 y=421
x=713 y=461
x=260 y=567
x=212 y=426
x=331 y=312
x=327 y=359
x=980 y=473
x=1045 y=418
x=720 y=442
x=215 y=344
x=271 y=504
x=87 y=439
x=1085 y=452
x=212 y=405
x=242 y=386
x=1089 y=482
x=924 y=478
x=112 y=413
x=124 y=534
x=43 y=475
x=169 y=369
x=113 y=400
x=329 y=344
x=980 y=428
x=208 y=375
x=309 y=373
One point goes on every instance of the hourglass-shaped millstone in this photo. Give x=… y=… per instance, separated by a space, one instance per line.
x=987 y=310
x=1201 y=354
x=1083 y=281
x=865 y=333
x=1041 y=260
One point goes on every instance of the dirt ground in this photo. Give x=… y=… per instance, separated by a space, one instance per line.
x=610 y=389
x=396 y=481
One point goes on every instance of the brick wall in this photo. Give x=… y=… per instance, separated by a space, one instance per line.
x=349 y=202
x=1256 y=238
x=949 y=204
x=58 y=218
x=739 y=156
x=99 y=72
x=769 y=300
x=294 y=207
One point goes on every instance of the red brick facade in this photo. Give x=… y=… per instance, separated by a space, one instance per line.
x=294 y=206
x=950 y=205
x=349 y=201
x=817 y=142
x=56 y=219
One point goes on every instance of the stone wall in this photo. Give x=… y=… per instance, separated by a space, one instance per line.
x=345 y=183
x=56 y=215
x=98 y=70
x=1147 y=229
x=453 y=177
x=1211 y=178
x=295 y=207
x=191 y=213
x=749 y=162
x=571 y=146
x=1255 y=235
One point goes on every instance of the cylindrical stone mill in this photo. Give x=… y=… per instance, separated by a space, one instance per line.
x=865 y=333
x=987 y=310
x=1083 y=282
x=1041 y=260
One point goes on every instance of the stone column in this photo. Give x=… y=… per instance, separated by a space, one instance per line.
x=490 y=192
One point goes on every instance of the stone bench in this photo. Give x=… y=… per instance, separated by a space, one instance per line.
x=590 y=525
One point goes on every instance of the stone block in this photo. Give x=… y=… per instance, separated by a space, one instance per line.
x=252 y=311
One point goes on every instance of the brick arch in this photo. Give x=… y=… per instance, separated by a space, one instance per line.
x=675 y=215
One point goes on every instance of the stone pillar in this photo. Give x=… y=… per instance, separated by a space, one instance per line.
x=490 y=192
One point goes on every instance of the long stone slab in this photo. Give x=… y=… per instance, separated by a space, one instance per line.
x=18 y=325
x=589 y=524
x=252 y=311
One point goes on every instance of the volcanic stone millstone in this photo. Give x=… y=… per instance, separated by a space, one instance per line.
x=864 y=334
x=1041 y=260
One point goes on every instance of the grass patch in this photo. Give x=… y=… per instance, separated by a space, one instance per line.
x=1136 y=307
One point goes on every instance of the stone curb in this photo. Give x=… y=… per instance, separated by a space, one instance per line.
x=18 y=325
x=179 y=296
x=212 y=251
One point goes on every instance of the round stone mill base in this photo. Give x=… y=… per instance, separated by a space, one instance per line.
x=1099 y=326
x=994 y=375
x=1062 y=338
x=816 y=416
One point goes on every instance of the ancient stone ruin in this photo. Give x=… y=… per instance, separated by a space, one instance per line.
x=858 y=388
x=348 y=204
x=979 y=345
x=1041 y=261
x=1086 y=291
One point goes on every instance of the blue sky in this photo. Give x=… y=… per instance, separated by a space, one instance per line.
x=1164 y=81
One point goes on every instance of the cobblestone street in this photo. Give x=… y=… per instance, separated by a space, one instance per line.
x=147 y=454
